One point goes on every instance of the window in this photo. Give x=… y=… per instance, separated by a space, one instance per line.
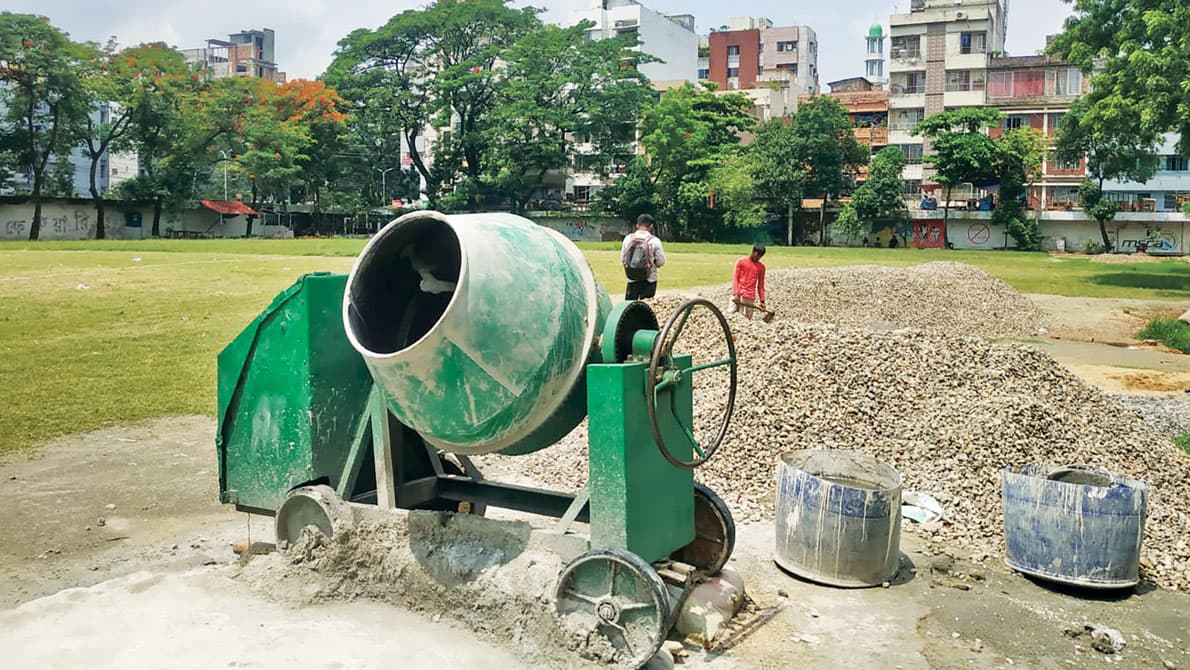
x=912 y=153
x=1068 y=81
x=1171 y=201
x=704 y=75
x=911 y=187
x=907 y=119
x=792 y=67
x=910 y=84
x=733 y=51
x=906 y=47
x=1016 y=122
x=787 y=46
x=1175 y=163
x=973 y=43
x=733 y=72
x=582 y=193
x=1062 y=165
x=964 y=80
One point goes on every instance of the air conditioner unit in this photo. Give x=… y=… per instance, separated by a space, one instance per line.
x=960 y=15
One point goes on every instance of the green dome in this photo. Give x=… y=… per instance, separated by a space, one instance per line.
x=876 y=32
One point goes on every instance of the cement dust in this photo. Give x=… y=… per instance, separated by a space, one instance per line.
x=488 y=575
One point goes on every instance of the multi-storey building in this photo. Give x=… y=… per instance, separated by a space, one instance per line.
x=752 y=51
x=248 y=53
x=1035 y=92
x=670 y=38
x=939 y=60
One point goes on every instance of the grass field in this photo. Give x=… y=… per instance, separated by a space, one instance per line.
x=92 y=336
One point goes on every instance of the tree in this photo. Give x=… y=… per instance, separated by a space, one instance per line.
x=882 y=195
x=829 y=151
x=778 y=167
x=1106 y=131
x=687 y=134
x=554 y=87
x=1020 y=153
x=430 y=67
x=848 y=224
x=123 y=79
x=962 y=150
x=1140 y=55
x=733 y=192
x=42 y=94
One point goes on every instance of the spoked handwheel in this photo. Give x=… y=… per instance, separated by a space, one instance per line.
x=664 y=374
x=714 y=533
x=625 y=598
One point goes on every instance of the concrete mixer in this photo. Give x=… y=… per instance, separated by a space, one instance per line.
x=455 y=336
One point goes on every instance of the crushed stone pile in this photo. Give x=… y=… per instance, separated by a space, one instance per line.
x=941 y=297
x=1168 y=415
x=949 y=412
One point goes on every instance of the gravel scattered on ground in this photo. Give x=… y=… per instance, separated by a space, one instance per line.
x=1167 y=415
x=948 y=411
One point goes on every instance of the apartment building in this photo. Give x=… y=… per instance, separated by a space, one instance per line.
x=669 y=38
x=938 y=60
x=248 y=53
x=1035 y=92
x=753 y=50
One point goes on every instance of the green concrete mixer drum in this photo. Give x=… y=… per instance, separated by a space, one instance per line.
x=478 y=327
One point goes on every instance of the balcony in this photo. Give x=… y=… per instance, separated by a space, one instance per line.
x=874 y=136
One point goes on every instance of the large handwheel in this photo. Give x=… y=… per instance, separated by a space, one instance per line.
x=714 y=533
x=664 y=374
x=625 y=597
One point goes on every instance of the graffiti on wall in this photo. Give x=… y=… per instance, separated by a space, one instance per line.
x=1160 y=241
x=69 y=225
x=928 y=235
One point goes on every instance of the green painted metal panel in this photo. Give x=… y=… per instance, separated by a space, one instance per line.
x=639 y=502
x=291 y=391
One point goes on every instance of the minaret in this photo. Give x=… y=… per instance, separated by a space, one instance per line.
x=874 y=64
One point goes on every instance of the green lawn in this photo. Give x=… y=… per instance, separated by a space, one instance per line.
x=90 y=336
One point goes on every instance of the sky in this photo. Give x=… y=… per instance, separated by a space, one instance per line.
x=308 y=30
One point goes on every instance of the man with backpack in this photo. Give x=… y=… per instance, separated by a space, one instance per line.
x=641 y=255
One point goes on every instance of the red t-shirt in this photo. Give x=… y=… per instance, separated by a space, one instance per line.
x=748 y=279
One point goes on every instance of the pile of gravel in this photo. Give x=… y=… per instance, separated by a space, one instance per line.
x=948 y=298
x=949 y=412
x=1167 y=415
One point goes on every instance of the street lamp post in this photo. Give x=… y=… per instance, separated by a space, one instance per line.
x=384 y=181
x=225 y=159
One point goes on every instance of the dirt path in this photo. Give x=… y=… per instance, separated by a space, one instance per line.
x=1096 y=339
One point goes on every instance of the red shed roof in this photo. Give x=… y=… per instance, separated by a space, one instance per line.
x=232 y=207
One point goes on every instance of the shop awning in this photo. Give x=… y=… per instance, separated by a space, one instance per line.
x=229 y=207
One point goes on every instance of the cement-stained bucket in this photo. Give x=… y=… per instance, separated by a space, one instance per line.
x=838 y=517
x=478 y=327
x=1074 y=525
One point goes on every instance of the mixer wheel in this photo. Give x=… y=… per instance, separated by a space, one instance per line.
x=623 y=596
x=318 y=506
x=714 y=533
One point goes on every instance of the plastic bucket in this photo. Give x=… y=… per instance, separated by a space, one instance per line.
x=838 y=517
x=1074 y=525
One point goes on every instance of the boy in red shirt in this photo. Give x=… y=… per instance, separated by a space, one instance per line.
x=747 y=284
